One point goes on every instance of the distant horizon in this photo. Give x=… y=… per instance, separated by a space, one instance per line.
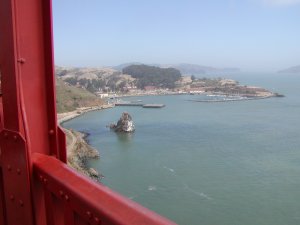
x=155 y=63
x=253 y=35
x=142 y=63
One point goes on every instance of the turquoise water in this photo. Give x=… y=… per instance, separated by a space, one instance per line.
x=233 y=163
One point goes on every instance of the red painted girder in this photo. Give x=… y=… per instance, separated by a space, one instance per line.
x=91 y=201
x=2 y=199
x=27 y=71
x=16 y=186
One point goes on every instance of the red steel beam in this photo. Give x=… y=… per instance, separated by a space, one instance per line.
x=28 y=108
x=92 y=202
x=30 y=140
x=27 y=69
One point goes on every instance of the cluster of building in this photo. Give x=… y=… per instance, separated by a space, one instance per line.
x=187 y=86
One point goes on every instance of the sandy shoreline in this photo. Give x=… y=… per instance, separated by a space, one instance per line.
x=63 y=117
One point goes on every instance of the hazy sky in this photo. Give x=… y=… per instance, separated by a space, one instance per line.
x=253 y=35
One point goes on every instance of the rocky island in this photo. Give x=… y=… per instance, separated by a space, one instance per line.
x=124 y=124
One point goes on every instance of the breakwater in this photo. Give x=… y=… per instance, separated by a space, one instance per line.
x=229 y=99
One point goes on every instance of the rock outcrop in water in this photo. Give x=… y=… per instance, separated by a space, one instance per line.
x=124 y=124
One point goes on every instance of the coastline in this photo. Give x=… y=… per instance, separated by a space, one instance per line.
x=231 y=100
x=66 y=116
x=78 y=149
x=256 y=95
x=78 y=152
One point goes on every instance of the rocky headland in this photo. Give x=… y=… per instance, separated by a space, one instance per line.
x=79 y=151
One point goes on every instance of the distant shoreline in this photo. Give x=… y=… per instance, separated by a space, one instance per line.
x=259 y=94
x=231 y=100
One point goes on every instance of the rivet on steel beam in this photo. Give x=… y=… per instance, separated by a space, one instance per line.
x=61 y=193
x=12 y=198
x=45 y=181
x=67 y=198
x=5 y=135
x=18 y=171
x=51 y=132
x=97 y=220
x=41 y=177
x=9 y=167
x=21 y=203
x=21 y=60
x=15 y=137
x=89 y=214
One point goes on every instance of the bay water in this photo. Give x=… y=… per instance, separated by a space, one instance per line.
x=225 y=163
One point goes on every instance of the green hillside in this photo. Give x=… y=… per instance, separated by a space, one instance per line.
x=68 y=98
x=151 y=75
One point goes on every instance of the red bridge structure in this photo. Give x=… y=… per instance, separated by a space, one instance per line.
x=36 y=185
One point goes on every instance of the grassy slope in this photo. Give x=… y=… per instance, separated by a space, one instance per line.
x=68 y=98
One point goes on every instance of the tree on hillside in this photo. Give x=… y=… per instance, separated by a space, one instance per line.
x=71 y=80
x=153 y=76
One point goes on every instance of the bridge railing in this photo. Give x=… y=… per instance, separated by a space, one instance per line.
x=71 y=198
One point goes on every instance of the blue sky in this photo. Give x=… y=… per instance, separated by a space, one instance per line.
x=254 y=35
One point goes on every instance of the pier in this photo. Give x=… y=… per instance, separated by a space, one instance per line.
x=140 y=104
x=153 y=105
x=128 y=104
